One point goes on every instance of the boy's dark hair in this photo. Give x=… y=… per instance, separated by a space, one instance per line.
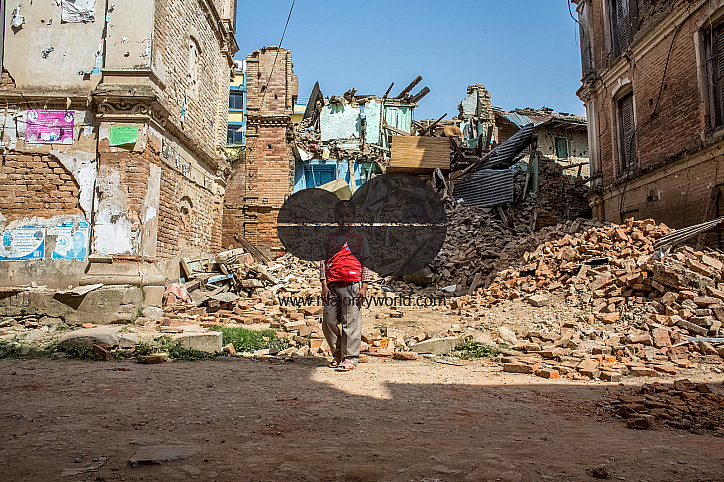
x=344 y=205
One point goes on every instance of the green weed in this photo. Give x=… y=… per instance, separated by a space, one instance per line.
x=468 y=350
x=164 y=344
x=245 y=340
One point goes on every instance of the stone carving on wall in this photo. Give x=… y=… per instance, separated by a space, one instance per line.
x=142 y=107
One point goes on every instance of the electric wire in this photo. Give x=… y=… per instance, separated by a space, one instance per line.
x=651 y=117
x=261 y=104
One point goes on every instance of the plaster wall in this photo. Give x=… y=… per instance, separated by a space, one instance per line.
x=59 y=53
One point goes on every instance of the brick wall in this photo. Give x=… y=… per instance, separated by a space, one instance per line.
x=673 y=131
x=36 y=185
x=202 y=111
x=189 y=216
x=258 y=189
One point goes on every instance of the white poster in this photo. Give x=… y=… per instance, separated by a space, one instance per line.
x=78 y=11
x=22 y=244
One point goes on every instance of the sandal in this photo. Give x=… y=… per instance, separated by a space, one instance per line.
x=334 y=363
x=346 y=366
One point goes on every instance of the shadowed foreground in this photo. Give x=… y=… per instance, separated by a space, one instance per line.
x=268 y=420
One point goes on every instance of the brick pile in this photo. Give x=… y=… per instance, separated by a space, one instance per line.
x=481 y=241
x=644 y=305
x=683 y=405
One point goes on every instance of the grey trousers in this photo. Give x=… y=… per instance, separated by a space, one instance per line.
x=342 y=322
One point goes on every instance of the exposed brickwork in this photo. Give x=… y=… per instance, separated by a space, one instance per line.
x=179 y=229
x=134 y=171
x=258 y=189
x=674 y=130
x=200 y=110
x=7 y=82
x=36 y=185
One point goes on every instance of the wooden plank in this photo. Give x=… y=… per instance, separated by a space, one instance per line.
x=252 y=249
x=420 y=152
x=474 y=284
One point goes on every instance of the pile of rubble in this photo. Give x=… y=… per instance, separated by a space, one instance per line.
x=482 y=241
x=650 y=312
x=683 y=405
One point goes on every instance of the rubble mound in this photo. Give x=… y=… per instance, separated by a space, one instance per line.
x=683 y=405
x=650 y=312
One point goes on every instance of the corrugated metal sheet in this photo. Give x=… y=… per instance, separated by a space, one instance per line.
x=519 y=119
x=485 y=188
x=681 y=235
x=504 y=154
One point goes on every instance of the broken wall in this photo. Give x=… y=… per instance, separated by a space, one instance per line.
x=257 y=190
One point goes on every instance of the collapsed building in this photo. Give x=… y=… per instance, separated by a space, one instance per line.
x=349 y=137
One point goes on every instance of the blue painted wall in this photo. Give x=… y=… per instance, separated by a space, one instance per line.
x=315 y=172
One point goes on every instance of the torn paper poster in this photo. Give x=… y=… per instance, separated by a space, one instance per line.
x=72 y=242
x=78 y=11
x=23 y=243
x=18 y=20
x=49 y=127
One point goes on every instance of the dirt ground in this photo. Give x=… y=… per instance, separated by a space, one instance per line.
x=388 y=420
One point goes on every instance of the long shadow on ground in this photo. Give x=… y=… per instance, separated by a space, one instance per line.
x=259 y=420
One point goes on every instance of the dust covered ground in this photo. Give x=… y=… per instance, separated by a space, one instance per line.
x=388 y=420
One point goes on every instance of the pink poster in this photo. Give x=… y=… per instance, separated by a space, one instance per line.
x=49 y=127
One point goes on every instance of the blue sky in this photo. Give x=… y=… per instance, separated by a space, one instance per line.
x=524 y=51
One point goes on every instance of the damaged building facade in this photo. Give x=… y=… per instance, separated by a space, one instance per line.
x=561 y=137
x=348 y=138
x=260 y=185
x=652 y=85
x=113 y=137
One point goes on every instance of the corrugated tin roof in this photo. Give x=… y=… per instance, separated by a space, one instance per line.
x=504 y=154
x=485 y=188
x=681 y=235
x=519 y=119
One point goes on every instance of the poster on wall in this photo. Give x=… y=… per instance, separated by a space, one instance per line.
x=124 y=135
x=72 y=242
x=78 y=11
x=49 y=127
x=23 y=243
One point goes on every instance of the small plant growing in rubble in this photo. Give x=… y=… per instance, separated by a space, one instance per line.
x=251 y=340
x=468 y=350
x=164 y=344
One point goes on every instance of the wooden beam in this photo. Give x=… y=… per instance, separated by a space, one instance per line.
x=424 y=130
x=394 y=129
x=409 y=87
x=420 y=95
x=388 y=90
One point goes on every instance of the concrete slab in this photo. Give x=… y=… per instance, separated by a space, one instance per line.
x=158 y=454
x=437 y=346
x=103 y=335
x=210 y=342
